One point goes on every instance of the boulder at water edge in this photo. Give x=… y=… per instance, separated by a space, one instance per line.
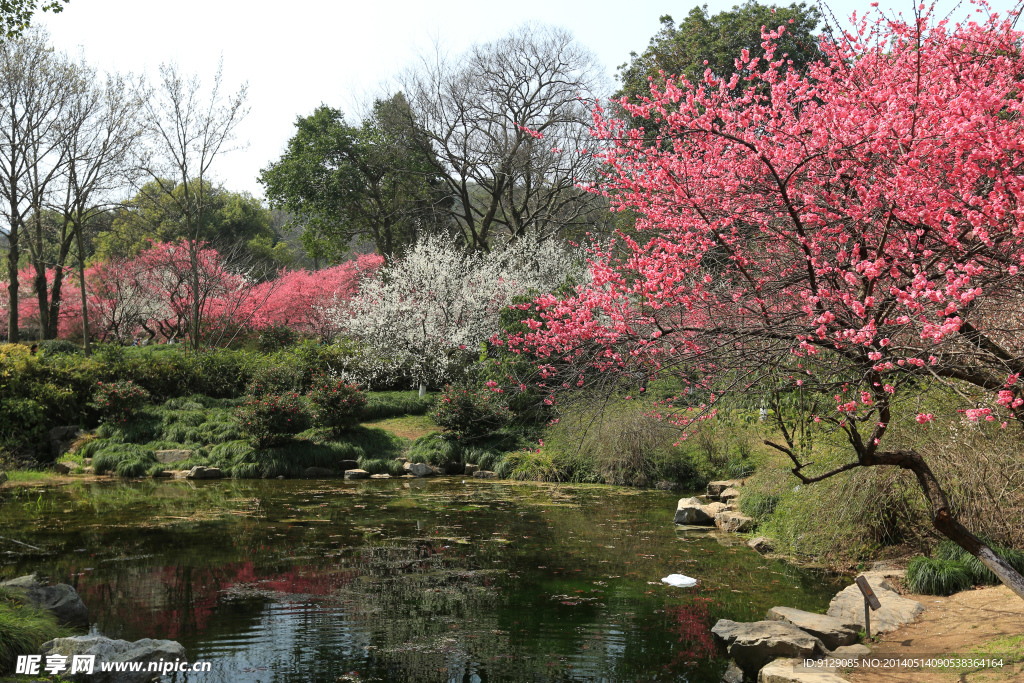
x=471 y=470
x=60 y=599
x=108 y=650
x=715 y=488
x=421 y=469
x=733 y=522
x=485 y=474
x=357 y=474
x=831 y=631
x=755 y=644
x=199 y=472
x=691 y=511
x=318 y=473
x=344 y=465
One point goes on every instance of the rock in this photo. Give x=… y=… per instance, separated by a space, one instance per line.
x=761 y=544
x=345 y=465
x=851 y=651
x=406 y=465
x=848 y=607
x=3 y=477
x=714 y=508
x=61 y=439
x=380 y=476
x=828 y=630
x=755 y=644
x=484 y=474
x=728 y=495
x=691 y=511
x=159 y=474
x=470 y=470
x=87 y=470
x=793 y=671
x=421 y=469
x=733 y=522
x=667 y=486
x=65 y=467
x=108 y=650
x=733 y=674
x=357 y=474
x=454 y=468
x=60 y=599
x=715 y=488
x=199 y=472
x=402 y=460
x=318 y=473
x=175 y=455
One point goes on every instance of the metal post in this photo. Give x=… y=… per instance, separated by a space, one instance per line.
x=867 y=618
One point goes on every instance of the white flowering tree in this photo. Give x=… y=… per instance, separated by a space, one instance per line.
x=430 y=310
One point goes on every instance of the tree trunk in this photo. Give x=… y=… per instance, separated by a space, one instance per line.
x=944 y=520
x=81 y=283
x=423 y=389
x=13 y=255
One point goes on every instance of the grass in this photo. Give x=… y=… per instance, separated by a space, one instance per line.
x=384 y=404
x=931 y=576
x=24 y=628
x=407 y=426
x=978 y=572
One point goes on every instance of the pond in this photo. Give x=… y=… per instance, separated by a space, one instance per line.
x=401 y=579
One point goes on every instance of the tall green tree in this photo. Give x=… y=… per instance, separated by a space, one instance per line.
x=230 y=219
x=347 y=184
x=15 y=15
x=702 y=41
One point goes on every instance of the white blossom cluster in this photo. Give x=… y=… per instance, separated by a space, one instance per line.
x=430 y=310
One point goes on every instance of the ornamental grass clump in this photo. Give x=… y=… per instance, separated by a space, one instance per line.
x=335 y=405
x=270 y=420
x=932 y=576
x=118 y=401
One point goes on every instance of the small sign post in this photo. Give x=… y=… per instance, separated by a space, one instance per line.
x=870 y=602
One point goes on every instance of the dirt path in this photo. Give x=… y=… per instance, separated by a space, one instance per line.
x=982 y=623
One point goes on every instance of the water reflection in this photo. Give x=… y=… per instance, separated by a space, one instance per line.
x=402 y=580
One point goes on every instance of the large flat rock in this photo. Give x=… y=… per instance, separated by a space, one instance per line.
x=848 y=607
x=794 y=671
x=831 y=631
x=715 y=488
x=691 y=511
x=752 y=645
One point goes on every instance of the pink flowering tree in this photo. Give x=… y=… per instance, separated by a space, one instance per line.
x=310 y=301
x=855 y=231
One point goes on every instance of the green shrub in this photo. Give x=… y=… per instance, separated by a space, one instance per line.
x=395 y=468
x=335 y=404
x=271 y=380
x=270 y=420
x=931 y=576
x=52 y=347
x=980 y=574
x=276 y=338
x=470 y=414
x=118 y=401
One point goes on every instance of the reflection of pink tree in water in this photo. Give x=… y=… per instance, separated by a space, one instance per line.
x=693 y=626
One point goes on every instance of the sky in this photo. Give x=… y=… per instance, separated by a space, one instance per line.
x=298 y=54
